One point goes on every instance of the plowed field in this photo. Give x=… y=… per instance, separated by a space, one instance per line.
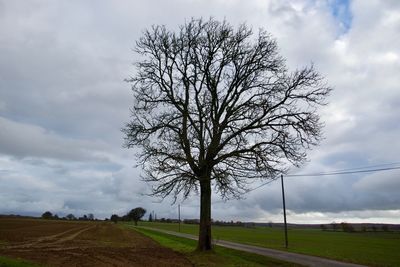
x=64 y=243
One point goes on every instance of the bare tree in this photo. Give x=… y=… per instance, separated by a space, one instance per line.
x=216 y=107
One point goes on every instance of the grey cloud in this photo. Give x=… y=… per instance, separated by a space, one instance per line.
x=36 y=189
x=387 y=183
x=333 y=194
x=63 y=102
x=56 y=76
x=126 y=186
x=23 y=140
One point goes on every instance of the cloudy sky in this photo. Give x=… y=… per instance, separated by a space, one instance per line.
x=63 y=102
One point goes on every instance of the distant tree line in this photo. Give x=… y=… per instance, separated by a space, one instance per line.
x=134 y=215
x=349 y=228
x=232 y=223
x=197 y=221
x=70 y=217
x=220 y=222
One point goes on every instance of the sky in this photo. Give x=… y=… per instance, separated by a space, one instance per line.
x=63 y=101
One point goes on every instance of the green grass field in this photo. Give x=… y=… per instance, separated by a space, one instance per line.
x=374 y=249
x=220 y=257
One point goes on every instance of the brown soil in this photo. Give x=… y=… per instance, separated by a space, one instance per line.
x=64 y=243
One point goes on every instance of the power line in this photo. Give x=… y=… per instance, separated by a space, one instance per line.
x=337 y=172
x=368 y=167
x=342 y=172
x=264 y=184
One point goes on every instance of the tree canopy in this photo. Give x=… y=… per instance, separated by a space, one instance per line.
x=217 y=106
x=47 y=215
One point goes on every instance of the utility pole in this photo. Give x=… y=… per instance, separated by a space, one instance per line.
x=179 y=216
x=284 y=212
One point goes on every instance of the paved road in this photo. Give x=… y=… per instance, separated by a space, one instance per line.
x=273 y=253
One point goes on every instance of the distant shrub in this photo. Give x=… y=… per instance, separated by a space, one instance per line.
x=346 y=227
x=70 y=217
x=114 y=218
x=191 y=221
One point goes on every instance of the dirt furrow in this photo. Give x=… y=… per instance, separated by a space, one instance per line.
x=60 y=243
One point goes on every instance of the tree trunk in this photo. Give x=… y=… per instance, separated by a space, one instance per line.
x=135 y=223
x=204 y=243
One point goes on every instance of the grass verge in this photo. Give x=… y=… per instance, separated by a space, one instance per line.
x=367 y=248
x=219 y=257
x=10 y=262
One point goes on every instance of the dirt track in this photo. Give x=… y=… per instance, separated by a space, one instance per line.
x=62 y=243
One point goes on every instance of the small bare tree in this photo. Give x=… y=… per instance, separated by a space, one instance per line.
x=216 y=107
x=136 y=214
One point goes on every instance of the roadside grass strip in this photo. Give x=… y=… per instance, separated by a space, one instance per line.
x=218 y=257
